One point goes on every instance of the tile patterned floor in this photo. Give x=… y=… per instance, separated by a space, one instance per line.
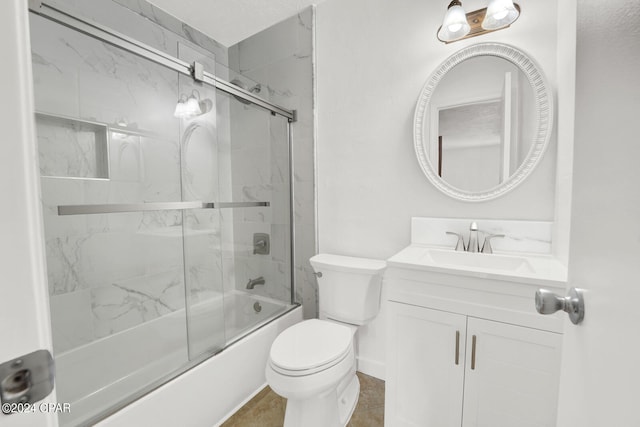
x=266 y=409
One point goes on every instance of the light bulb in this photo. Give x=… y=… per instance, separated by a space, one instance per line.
x=193 y=106
x=180 y=111
x=500 y=14
x=454 y=24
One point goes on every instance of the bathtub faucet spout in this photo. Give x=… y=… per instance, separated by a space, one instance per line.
x=253 y=282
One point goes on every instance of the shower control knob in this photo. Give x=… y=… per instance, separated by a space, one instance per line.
x=548 y=303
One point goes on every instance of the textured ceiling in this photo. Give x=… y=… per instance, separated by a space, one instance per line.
x=231 y=21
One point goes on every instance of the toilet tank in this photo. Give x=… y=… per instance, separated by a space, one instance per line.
x=348 y=287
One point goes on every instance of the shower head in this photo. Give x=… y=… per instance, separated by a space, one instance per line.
x=254 y=89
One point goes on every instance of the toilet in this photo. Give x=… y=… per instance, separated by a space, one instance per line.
x=313 y=363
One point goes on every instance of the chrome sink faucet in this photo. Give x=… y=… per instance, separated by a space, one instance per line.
x=486 y=247
x=474 y=245
x=474 y=242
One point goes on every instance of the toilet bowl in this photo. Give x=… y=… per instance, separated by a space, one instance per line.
x=313 y=363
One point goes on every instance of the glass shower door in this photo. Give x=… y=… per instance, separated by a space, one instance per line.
x=167 y=227
x=122 y=244
x=255 y=174
x=202 y=230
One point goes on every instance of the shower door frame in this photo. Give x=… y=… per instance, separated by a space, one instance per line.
x=194 y=70
x=24 y=306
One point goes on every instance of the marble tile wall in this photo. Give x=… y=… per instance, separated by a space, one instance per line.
x=143 y=21
x=281 y=58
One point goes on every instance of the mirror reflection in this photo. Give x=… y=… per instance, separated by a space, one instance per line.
x=482 y=123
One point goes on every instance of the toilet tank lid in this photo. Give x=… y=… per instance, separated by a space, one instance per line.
x=347 y=263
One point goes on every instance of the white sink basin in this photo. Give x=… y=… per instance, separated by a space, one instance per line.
x=524 y=268
x=478 y=260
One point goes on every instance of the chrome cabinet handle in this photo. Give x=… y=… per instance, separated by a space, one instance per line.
x=473 y=352
x=457 y=347
x=548 y=303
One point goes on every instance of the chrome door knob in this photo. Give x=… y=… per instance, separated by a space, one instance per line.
x=548 y=303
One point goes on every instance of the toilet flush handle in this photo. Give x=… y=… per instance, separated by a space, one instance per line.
x=318 y=274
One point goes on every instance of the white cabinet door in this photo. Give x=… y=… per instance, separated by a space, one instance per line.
x=424 y=383
x=514 y=380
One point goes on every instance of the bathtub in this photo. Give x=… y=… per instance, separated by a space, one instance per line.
x=204 y=395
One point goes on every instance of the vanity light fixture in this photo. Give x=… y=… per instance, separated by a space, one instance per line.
x=458 y=25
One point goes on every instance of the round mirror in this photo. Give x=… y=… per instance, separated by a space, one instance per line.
x=200 y=159
x=483 y=121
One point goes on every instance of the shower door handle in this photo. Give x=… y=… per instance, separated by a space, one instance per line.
x=223 y=205
x=127 y=207
x=154 y=206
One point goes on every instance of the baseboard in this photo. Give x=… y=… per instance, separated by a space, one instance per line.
x=370 y=367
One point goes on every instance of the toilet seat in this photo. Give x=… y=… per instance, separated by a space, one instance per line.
x=309 y=347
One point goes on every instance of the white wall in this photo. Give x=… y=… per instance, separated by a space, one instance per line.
x=373 y=58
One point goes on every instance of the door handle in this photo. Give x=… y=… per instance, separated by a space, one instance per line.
x=548 y=303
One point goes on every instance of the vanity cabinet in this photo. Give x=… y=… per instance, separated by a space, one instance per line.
x=451 y=370
x=468 y=352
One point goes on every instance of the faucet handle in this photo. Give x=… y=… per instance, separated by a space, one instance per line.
x=460 y=246
x=486 y=246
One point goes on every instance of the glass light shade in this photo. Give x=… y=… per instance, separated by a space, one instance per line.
x=193 y=106
x=454 y=25
x=180 y=110
x=500 y=13
x=188 y=108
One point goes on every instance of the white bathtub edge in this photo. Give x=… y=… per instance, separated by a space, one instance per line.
x=207 y=394
x=240 y=405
